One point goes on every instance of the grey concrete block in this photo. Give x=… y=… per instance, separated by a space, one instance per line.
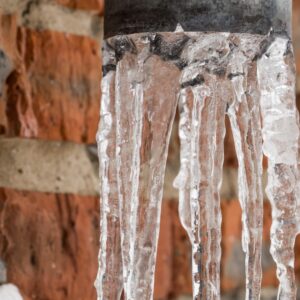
x=269 y=294
x=64 y=167
x=49 y=16
x=12 y=6
x=185 y=297
x=10 y=292
x=235 y=265
x=46 y=166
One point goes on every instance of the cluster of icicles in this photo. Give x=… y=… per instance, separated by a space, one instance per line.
x=251 y=78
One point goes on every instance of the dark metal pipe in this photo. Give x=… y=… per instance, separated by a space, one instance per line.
x=239 y=16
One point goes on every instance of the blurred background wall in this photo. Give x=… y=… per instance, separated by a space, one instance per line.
x=50 y=72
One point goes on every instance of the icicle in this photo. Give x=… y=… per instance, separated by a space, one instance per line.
x=199 y=183
x=244 y=115
x=218 y=72
x=276 y=73
x=202 y=131
x=109 y=279
x=145 y=108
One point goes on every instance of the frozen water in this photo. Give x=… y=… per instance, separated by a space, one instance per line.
x=224 y=63
x=136 y=123
x=10 y=292
x=251 y=78
x=276 y=73
x=109 y=281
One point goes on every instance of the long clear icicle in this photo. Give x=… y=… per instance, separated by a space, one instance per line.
x=276 y=73
x=199 y=184
x=109 y=283
x=202 y=131
x=244 y=116
x=145 y=108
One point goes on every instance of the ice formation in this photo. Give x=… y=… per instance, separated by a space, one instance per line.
x=225 y=63
x=10 y=292
x=276 y=74
x=138 y=108
x=251 y=78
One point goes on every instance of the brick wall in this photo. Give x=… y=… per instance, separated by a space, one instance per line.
x=49 y=106
x=50 y=64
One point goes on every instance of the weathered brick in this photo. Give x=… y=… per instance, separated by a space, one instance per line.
x=50 y=244
x=58 y=258
x=54 y=91
x=164 y=268
x=67 y=95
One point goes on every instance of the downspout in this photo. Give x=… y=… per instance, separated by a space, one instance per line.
x=243 y=16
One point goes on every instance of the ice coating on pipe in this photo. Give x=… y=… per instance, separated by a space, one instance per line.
x=250 y=78
x=277 y=82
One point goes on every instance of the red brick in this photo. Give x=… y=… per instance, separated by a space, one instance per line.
x=54 y=93
x=163 y=274
x=182 y=278
x=50 y=244
x=8 y=35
